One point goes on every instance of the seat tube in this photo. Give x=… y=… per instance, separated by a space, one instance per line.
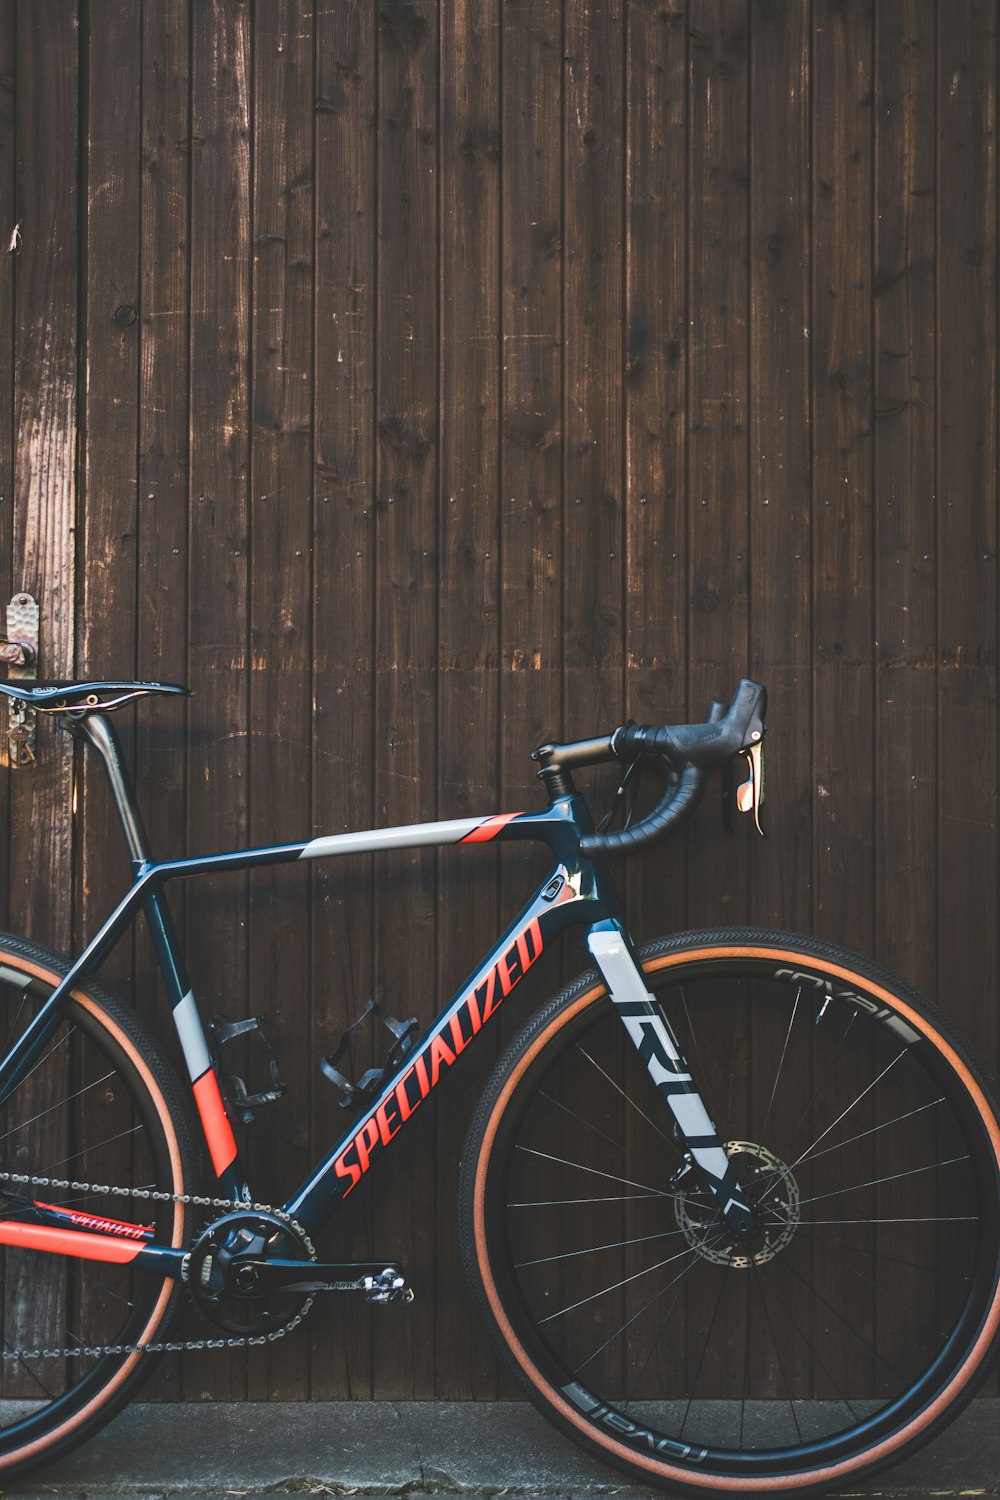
x=656 y=1044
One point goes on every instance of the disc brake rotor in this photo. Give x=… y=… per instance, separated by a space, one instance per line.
x=773 y=1195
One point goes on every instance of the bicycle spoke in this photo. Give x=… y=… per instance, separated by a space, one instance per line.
x=857 y=1187
x=704 y=1350
x=629 y=1100
x=110 y=1141
x=781 y=1061
x=570 y=1202
x=666 y=1234
x=757 y=1282
x=581 y=1120
x=678 y=1281
x=595 y=1171
x=875 y=1129
x=614 y=1286
x=861 y=1338
x=60 y=1104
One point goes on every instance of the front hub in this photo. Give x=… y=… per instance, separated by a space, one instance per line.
x=772 y=1194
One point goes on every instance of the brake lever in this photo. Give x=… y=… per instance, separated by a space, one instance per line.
x=750 y=796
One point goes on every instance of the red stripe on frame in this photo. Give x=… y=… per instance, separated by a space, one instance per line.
x=218 y=1131
x=488 y=828
x=68 y=1242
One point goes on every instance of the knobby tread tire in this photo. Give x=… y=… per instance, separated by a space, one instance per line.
x=483 y=1237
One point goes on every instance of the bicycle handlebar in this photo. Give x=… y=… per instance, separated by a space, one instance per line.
x=687 y=752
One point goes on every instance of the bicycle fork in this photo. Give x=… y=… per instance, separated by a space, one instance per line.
x=656 y=1044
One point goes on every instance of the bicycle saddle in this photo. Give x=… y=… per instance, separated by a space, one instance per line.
x=84 y=697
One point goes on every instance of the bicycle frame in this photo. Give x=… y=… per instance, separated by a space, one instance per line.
x=576 y=892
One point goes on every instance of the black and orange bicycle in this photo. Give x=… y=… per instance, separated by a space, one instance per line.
x=729 y=1205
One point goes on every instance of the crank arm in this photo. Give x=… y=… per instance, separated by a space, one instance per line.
x=251 y=1277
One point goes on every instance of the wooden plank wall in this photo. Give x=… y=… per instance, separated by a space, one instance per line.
x=417 y=381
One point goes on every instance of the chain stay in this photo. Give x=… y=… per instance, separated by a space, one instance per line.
x=166 y=1346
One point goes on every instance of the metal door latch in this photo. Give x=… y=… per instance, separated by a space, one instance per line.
x=19 y=649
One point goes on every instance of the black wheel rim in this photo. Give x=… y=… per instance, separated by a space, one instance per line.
x=846 y=1324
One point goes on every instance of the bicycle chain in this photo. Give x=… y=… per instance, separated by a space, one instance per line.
x=164 y=1346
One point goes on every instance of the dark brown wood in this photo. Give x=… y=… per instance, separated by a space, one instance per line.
x=468 y=625
x=843 y=527
x=779 y=540
x=967 y=516
x=344 y=551
x=655 y=376
x=718 y=521
x=281 y=587
x=44 y=498
x=161 y=623
x=593 y=535
x=8 y=150
x=218 y=526
x=842 y=811
x=905 y=482
x=407 y=564
x=108 y=425
x=498 y=371
x=45 y=416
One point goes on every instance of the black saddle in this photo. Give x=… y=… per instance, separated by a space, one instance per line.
x=80 y=698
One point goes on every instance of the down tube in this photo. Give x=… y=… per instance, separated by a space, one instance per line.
x=559 y=904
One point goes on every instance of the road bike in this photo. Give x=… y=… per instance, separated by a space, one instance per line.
x=729 y=1204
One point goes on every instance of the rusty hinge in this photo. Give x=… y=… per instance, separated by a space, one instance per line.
x=19 y=649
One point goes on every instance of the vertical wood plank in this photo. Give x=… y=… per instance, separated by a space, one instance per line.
x=531 y=490
x=161 y=467
x=843 y=809
x=718 y=409
x=164 y=379
x=406 y=615
x=280 y=595
x=967 y=523
x=8 y=277
x=779 y=534
x=593 y=507
x=111 y=53
x=45 y=494
x=45 y=439
x=905 y=405
x=218 y=524
x=843 y=527
x=109 y=396
x=343 y=612
x=655 y=392
x=468 y=647
x=778 y=873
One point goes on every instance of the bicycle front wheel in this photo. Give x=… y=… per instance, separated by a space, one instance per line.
x=863 y=1311
x=100 y=1108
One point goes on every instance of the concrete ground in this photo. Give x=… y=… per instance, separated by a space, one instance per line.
x=222 y=1452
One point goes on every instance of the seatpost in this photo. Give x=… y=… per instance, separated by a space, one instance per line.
x=99 y=732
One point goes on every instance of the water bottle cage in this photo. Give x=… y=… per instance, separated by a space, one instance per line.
x=366 y=1088
x=235 y=1090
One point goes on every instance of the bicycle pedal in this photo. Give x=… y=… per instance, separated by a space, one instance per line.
x=366 y=1088
x=387 y=1287
x=235 y=1090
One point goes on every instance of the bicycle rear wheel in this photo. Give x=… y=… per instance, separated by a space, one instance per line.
x=864 y=1312
x=100 y=1107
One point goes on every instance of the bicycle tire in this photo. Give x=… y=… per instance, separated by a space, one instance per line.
x=866 y=1312
x=101 y=1106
